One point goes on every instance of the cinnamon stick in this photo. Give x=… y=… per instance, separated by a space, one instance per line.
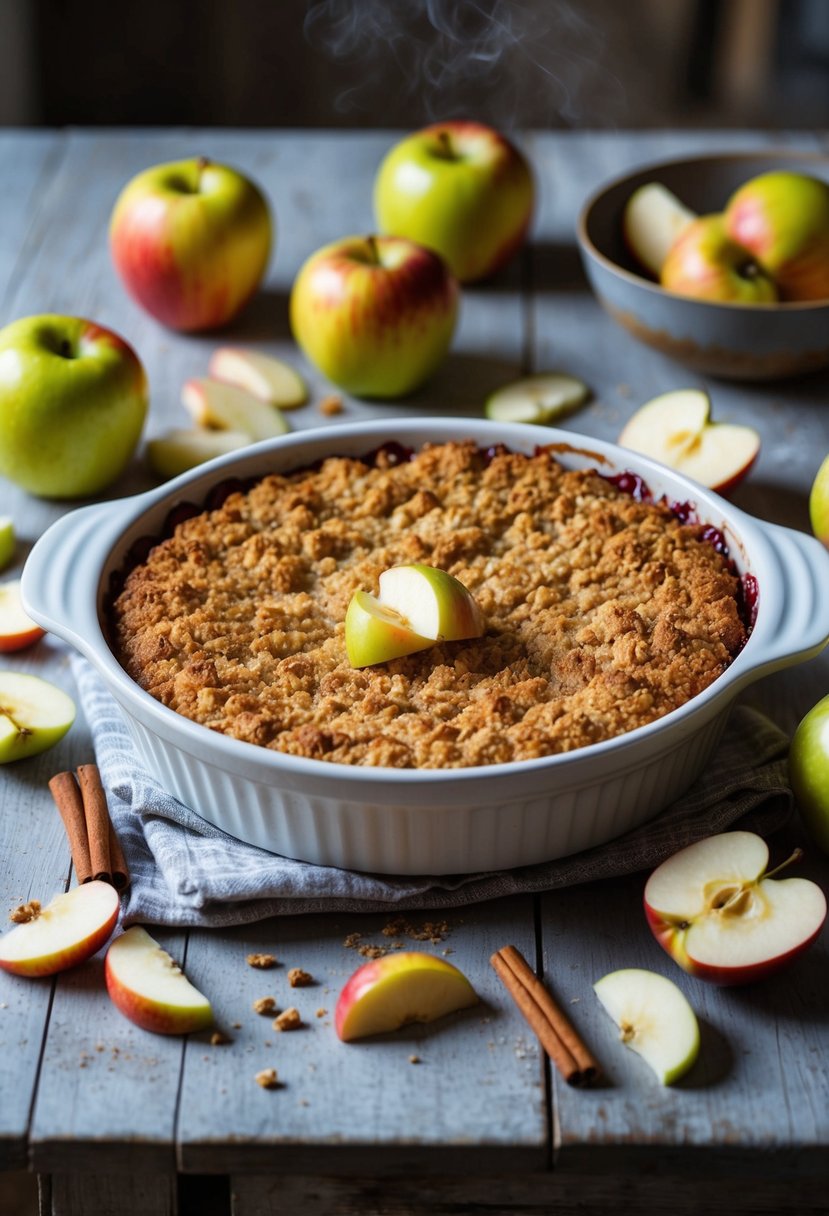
x=117 y=862
x=555 y=1031
x=97 y=820
x=67 y=796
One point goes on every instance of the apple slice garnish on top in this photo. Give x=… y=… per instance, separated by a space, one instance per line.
x=676 y=428
x=17 y=630
x=538 y=399
x=652 y=221
x=417 y=606
x=719 y=914
x=399 y=989
x=8 y=541
x=148 y=986
x=230 y=408
x=267 y=378
x=34 y=715
x=654 y=1018
x=66 y=932
x=181 y=449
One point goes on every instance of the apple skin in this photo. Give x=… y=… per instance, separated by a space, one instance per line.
x=809 y=772
x=381 y=982
x=375 y=314
x=375 y=635
x=435 y=603
x=704 y=263
x=782 y=218
x=72 y=953
x=819 y=503
x=144 y=1011
x=191 y=242
x=8 y=541
x=460 y=188
x=16 y=630
x=73 y=398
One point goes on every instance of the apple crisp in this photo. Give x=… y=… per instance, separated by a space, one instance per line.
x=602 y=612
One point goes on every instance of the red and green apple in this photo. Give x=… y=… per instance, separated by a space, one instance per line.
x=399 y=989
x=191 y=242
x=809 y=772
x=706 y=263
x=66 y=932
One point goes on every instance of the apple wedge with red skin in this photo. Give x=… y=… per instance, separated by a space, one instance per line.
x=722 y=917
x=676 y=428
x=66 y=932
x=399 y=989
x=149 y=987
x=17 y=630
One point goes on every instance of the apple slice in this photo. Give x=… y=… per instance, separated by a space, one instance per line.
x=377 y=634
x=150 y=988
x=652 y=220
x=398 y=989
x=676 y=429
x=8 y=542
x=34 y=715
x=230 y=408
x=654 y=1018
x=179 y=450
x=722 y=917
x=432 y=602
x=267 y=378
x=538 y=399
x=17 y=630
x=66 y=932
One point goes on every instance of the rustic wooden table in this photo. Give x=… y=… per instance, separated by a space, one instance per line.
x=116 y=1120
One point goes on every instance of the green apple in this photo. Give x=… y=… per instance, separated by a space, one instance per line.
x=705 y=263
x=34 y=715
x=73 y=398
x=460 y=188
x=399 y=989
x=819 y=503
x=654 y=1018
x=375 y=314
x=150 y=989
x=782 y=218
x=809 y=772
x=375 y=633
x=8 y=541
x=191 y=242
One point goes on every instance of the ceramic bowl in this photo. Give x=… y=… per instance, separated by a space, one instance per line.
x=734 y=341
x=425 y=821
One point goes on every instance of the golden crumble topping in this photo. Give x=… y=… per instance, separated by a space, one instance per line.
x=603 y=613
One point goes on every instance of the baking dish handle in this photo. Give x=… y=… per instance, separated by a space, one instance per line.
x=801 y=628
x=60 y=580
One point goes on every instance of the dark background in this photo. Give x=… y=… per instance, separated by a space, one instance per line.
x=401 y=63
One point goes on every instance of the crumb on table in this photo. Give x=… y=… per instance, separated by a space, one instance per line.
x=331 y=405
x=289 y=1019
x=217 y=1039
x=268 y=1078
x=261 y=961
x=298 y=978
x=264 y=1004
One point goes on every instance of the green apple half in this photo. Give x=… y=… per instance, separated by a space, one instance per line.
x=654 y=1018
x=73 y=398
x=34 y=715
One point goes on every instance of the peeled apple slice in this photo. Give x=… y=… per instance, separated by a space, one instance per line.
x=537 y=399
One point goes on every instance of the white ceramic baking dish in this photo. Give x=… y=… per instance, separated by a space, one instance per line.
x=426 y=821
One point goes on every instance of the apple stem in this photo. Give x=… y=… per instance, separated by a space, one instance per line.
x=797 y=855
x=371 y=242
x=445 y=148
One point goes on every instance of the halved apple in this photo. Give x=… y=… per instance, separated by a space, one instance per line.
x=377 y=634
x=652 y=220
x=34 y=715
x=398 y=989
x=676 y=428
x=17 y=630
x=654 y=1018
x=435 y=604
x=67 y=931
x=8 y=542
x=150 y=988
x=179 y=450
x=713 y=907
x=539 y=399
x=267 y=378
x=230 y=408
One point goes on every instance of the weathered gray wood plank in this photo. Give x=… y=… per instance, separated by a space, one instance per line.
x=31 y=159
x=107 y=1094
x=476 y=1100
x=139 y=1194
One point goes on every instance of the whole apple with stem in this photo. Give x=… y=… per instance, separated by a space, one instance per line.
x=191 y=242
x=722 y=916
x=782 y=219
x=375 y=314
x=706 y=263
x=73 y=398
x=460 y=188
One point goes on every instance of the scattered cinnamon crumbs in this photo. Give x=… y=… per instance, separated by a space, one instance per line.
x=414 y=1059
x=267 y=1078
x=264 y=1004
x=430 y=931
x=298 y=978
x=217 y=1039
x=263 y=962
x=331 y=405
x=321 y=1013
x=25 y=912
x=289 y=1019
